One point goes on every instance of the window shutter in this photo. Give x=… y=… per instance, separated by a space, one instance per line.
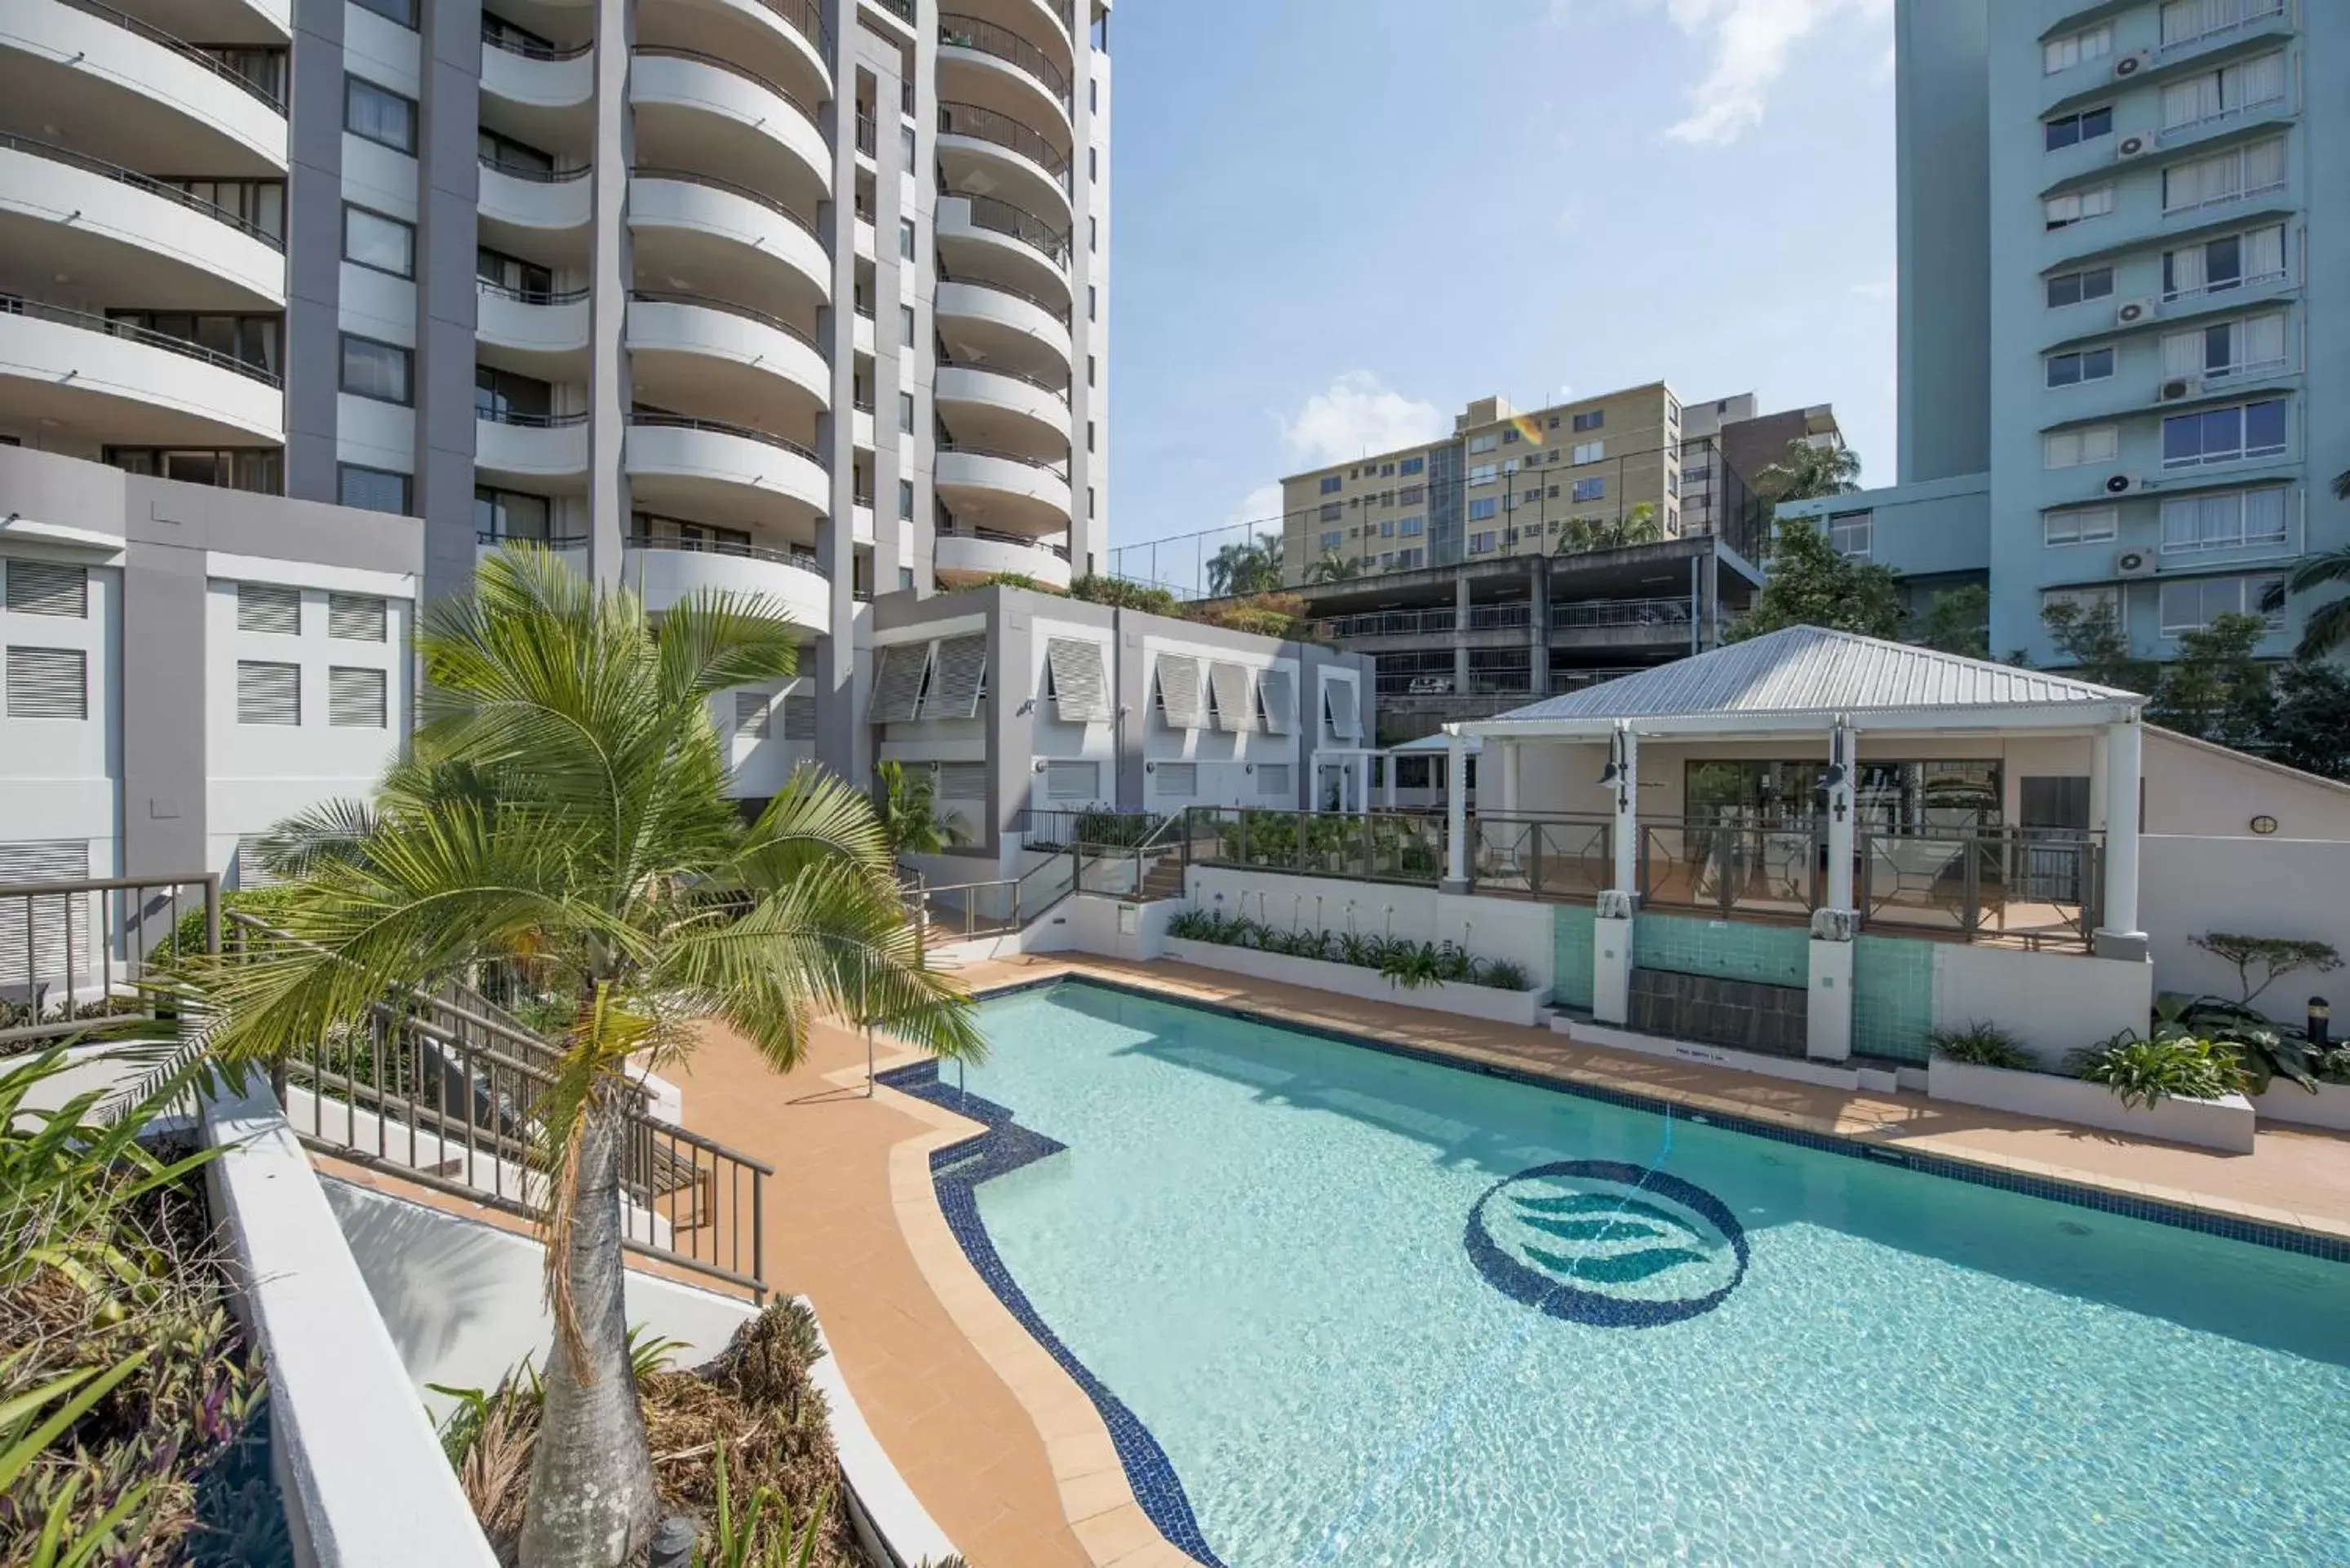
x=961 y=679
x=1071 y=781
x=355 y=618
x=251 y=871
x=898 y=683
x=1178 y=781
x=48 y=683
x=962 y=781
x=35 y=929
x=1273 y=778
x=42 y=587
x=358 y=698
x=799 y=716
x=1227 y=684
x=1179 y=691
x=1338 y=701
x=268 y=693
x=1279 y=698
x=1080 y=693
x=751 y=714
x=265 y=609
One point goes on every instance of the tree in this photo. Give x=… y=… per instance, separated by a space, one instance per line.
x=909 y=812
x=1810 y=583
x=1333 y=568
x=2310 y=727
x=565 y=814
x=1246 y=567
x=2091 y=637
x=2273 y=957
x=2216 y=690
x=1635 y=527
x=1804 y=472
x=1959 y=621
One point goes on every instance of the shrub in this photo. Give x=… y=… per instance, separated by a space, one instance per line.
x=2145 y=1072
x=1119 y=594
x=1412 y=965
x=1982 y=1044
x=2268 y=1050
x=1362 y=950
x=1502 y=974
x=2272 y=957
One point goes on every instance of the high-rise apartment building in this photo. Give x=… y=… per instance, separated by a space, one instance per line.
x=2125 y=309
x=801 y=298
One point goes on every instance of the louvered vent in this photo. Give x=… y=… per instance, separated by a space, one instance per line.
x=799 y=717
x=751 y=714
x=1338 y=704
x=1179 y=691
x=34 y=930
x=43 y=587
x=1071 y=781
x=265 y=609
x=252 y=870
x=48 y=683
x=268 y=693
x=357 y=699
x=960 y=680
x=898 y=683
x=355 y=618
x=1277 y=696
x=1178 y=781
x=962 y=781
x=1273 y=778
x=1074 y=668
x=1227 y=684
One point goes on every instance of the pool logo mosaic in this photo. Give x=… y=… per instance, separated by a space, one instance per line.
x=1602 y=1242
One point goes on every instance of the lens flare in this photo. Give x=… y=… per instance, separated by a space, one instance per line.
x=1529 y=428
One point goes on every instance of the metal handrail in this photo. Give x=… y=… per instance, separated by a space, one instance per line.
x=975 y=33
x=531 y=295
x=804 y=16
x=181 y=47
x=535 y=176
x=1037 y=382
x=53 y=153
x=493 y=39
x=664 y=51
x=720 y=427
x=552 y=542
x=1622 y=613
x=139 y=907
x=711 y=301
x=1002 y=217
x=767 y=553
x=529 y=421
x=688 y=177
x=91 y=321
x=868 y=136
x=997 y=536
x=1058 y=313
x=984 y=124
x=966 y=451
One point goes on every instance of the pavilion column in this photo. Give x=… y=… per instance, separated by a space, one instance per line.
x=1626 y=760
x=1390 y=765
x=1611 y=926
x=2117 y=935
x=1827 y=1016
x=1456 y=812
x=1840 y=807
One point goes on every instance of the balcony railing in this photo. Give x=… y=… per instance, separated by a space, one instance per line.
x=688 y=177
x=988 y=38
x=997 y=536
x=132 y=177
x=492 y=539
x=491 y=413
x=807 y=18
x=2232 y=19
x=1038 y=382
x=1058 y=313
x=535 y=176
x=529 y=295
x=710 y=302
x=868 y=136
x=680 y=422
x=75 y=953
x=1059 y=471
x=187 y=51
x=1602 y=614
x=999 y=216
x=89 y=322
x=1499 y=618
x=720 y=62
x=735 y=548
x=1389 y=623
x=506 y=42
x=991 y=125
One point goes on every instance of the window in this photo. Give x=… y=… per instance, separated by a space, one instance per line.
x=500 y=514
x=752 y=714
x=2064 y=54
x=1387 y=471
x=906 y=412
x=356 y=617
x=372 y=489
x=514 y=156
x=2190 y=21
x=248 y=339
x=1589 y=490
x=1589 y=452
x=2226 y=349
x=2088 y=601
x=1410 y=528
x=2224 y=435
x=1093 y=371
x=908 y=148
x=374 y=369
x=1481 y=508
x=2231 y=91
x=1852 y=533
x=1093 y=163
x=1509 y=436
x=227 y=468
x=378 y=115
x=372 y=240
x=1093 y=233
x=1485 y=473
x=1482 y=543
x=1093 y=303
x=268 y=693
x=48 y=683
x=2232 y=261
x=2073 y=288
x=45 y=588
x=1484 y=443
x=906 y=500
x=358 y=698
x=1387 y=528
x=1330 y=483
x=2081 y=525
x=2074 y=128
x=906 y=238
x=2077 y=206
x=1411 y=496
x=1412 y=465
x=1089 y=435
x=2229 y=176
x=1333 y=539
x=2071 y=449
x=2227 y=520
x=268 y=610
x=1596 y=420
x=2080 y=365
x=906 y=325
x=1332 y=510
x=2192 y=605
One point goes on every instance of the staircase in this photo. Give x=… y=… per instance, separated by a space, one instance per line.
x=1163 y=880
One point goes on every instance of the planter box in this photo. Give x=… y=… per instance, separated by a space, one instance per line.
x=2226 y=1123
x=2287 y=1102
x=1520 y=1007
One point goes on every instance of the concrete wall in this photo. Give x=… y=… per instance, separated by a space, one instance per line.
x=2254 y=887
x=1941 y=126
x=1517 y=929
x=2201 y=790
x=2053 y=1002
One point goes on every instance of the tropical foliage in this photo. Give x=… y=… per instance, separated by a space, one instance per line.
x=2146 y=1070
x=1979 y=1045
x=2327 y=629
x=1637 y=526
x=1407 y=964
x=1246 y=567
x=1333 y=568
x=1805 y=472
x=1118 y=593
x=2090 y=641
x=1811 y=583
x=564 y=814
x=1958 y=621
x=911 y=819
x=1402 y=848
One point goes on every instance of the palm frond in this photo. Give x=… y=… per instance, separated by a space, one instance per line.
x=330 y=830
x=713 y=642
x=2317 y=571
x=2327 y=629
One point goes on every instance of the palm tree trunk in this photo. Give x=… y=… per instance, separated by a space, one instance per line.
x=591 y=1477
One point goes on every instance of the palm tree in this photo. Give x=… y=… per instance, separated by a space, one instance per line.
x=1637 y=527
x=1333 y=568
x=1805 y=470
x=909 y=812
x=565 y=813
x=2328 y=626
x=1246 y=567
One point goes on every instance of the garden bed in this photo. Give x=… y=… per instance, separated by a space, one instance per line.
x=1471 y=1001
x=2226 y=1123
x=2287 y=1102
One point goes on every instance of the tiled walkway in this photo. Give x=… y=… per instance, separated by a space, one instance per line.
x=995 y=1437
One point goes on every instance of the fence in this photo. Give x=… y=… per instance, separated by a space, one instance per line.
x=73 y=952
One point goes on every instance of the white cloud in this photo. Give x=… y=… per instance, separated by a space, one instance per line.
x=1748 y=44
x=1259 y=506
x=1355 y=415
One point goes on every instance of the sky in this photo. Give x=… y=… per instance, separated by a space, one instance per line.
x=1337 y=221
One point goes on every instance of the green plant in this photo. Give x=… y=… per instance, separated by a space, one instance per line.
x=1453 y=963
x=1811 y=583
x=910 y=811
x=2267 y=1051
x=597 y=849
x=1119 y=594
x=1414 y=965
x=2145 y=1072
x=1504 y=975
x=2272 y=957
x=1981 y=1044
x=1362 y=950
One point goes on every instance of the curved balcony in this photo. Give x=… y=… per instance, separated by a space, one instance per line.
x=146 y=97
x=531 y=76
x=986 y=151
x=529 y=198
x=987 y=323
x=988 y=237
x=786 y=39
x=1003 y=409
x=533 y=448
x=721 y=473
x=961 y=558
x=663 y=574
x=727 y=120
x=727 y=241
x=531 y=321
x=691 y=349
x=120 y=383
x=1002 y=492
x=1001 y=65
x=121 y=235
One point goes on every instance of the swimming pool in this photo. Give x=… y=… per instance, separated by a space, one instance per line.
x=1375 y=1311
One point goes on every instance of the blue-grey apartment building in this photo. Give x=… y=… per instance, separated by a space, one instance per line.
x=2125 y=309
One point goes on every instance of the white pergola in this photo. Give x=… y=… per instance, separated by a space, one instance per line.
x=1831 y=686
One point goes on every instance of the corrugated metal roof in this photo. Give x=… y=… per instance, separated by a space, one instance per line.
x=1805 y=670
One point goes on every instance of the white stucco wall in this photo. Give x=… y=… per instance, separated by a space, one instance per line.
x=1509 y=928
x=1225 y=761
x=2254 y=887
x=1051 y=739
x=2055 y=1003
x=61 y=779
x=2208 y=791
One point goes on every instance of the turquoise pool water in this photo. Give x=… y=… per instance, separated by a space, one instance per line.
x=1262 y=1242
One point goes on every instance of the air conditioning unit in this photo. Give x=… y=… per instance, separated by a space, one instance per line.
x=2136 y=312
x=2123 y=484
x=2134 y=564
x=2137 y=145
x=2130 y=64
x=2177 y=388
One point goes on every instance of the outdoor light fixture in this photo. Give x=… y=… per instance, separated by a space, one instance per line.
x=2320 y=1020
x=1607 y=773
